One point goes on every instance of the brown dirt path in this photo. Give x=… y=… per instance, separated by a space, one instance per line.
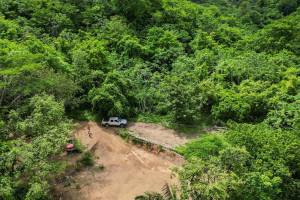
x=129 y=170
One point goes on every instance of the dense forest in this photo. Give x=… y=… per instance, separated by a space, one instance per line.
x=225 y=62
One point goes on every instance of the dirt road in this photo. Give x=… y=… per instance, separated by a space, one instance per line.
x=129 y=170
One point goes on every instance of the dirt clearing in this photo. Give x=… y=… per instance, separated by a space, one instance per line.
x=129 y=170
x=159 y=133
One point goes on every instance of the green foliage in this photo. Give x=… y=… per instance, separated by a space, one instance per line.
x=279 y=35
x=84 y=115
x=110 y=99
x=285 y=115
x=33 y=159
x=124 y=133
x=137 y=140
x=287 y=6
x=261 y=169
x=9 y=29
x=90 y=54
x=209 y=145
x=234 y=159
x=100 y=167
x=37 y=191
x=275 y=153
x=78 y=166
x=161 y=148
x=87 y=159
x=77 y=186
x=6 y=190
x=43 y=113
x=67 y=184
x=206 y=179
x=167 y=194
x=78 y=145
x=164 y=61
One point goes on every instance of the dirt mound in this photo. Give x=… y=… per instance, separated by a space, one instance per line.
x=129 y=170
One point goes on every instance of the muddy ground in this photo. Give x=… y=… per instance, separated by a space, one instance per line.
x=129 y=170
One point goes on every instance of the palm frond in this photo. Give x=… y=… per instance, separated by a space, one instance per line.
x=150 y=196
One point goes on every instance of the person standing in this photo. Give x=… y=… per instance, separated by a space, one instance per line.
x=89 y=131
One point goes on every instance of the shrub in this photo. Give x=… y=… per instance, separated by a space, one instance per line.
x=67 y=184
x=101 y=167
x=87 y=159
x=68 y=165
x=148 y=144
x=77 y=186
x=78 y=166
x=209 y=145
x=123 y=133
x=127 y=139
x=160 y=148
x=137 y=140
x=78 y=145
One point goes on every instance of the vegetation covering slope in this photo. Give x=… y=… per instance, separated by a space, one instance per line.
x=222 y=60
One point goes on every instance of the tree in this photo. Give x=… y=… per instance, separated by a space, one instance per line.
x=205 y=179
x=287 y=6
x=41 y=122
x=274 y=158
x=112 y=98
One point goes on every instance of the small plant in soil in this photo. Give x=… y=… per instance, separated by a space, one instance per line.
x=68 y=165
x=67 y=184
x=100 y=167
x=78 y=166
x=137 y=140
x=161 y=148
x=77 y=186
x=148 y=144
x=123 y=133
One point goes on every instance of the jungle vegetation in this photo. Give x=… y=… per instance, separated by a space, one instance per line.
x=231 y=62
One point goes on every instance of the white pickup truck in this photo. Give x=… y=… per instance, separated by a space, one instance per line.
x=114 y=121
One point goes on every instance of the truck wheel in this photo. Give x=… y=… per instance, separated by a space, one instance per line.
x=122 y=125
x=106 y=125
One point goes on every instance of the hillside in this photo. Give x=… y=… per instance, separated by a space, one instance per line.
x=181 y=63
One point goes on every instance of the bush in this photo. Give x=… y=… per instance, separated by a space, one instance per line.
x=87 y=159
x=77 y=186
x=127 y=139
x=78 y=166
x=161 y=148
x=209 y=145
x=77 y=145
x=67 y=184
x=137 y=140
x=101 y=167
x=123 y=133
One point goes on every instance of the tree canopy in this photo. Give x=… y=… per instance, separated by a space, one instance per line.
x=223 y=61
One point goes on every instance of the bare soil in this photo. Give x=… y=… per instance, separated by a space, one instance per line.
x=159 y=134
x=129 y=170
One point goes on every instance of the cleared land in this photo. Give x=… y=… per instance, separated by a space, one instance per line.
x=129 y=170
x=159 y=133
